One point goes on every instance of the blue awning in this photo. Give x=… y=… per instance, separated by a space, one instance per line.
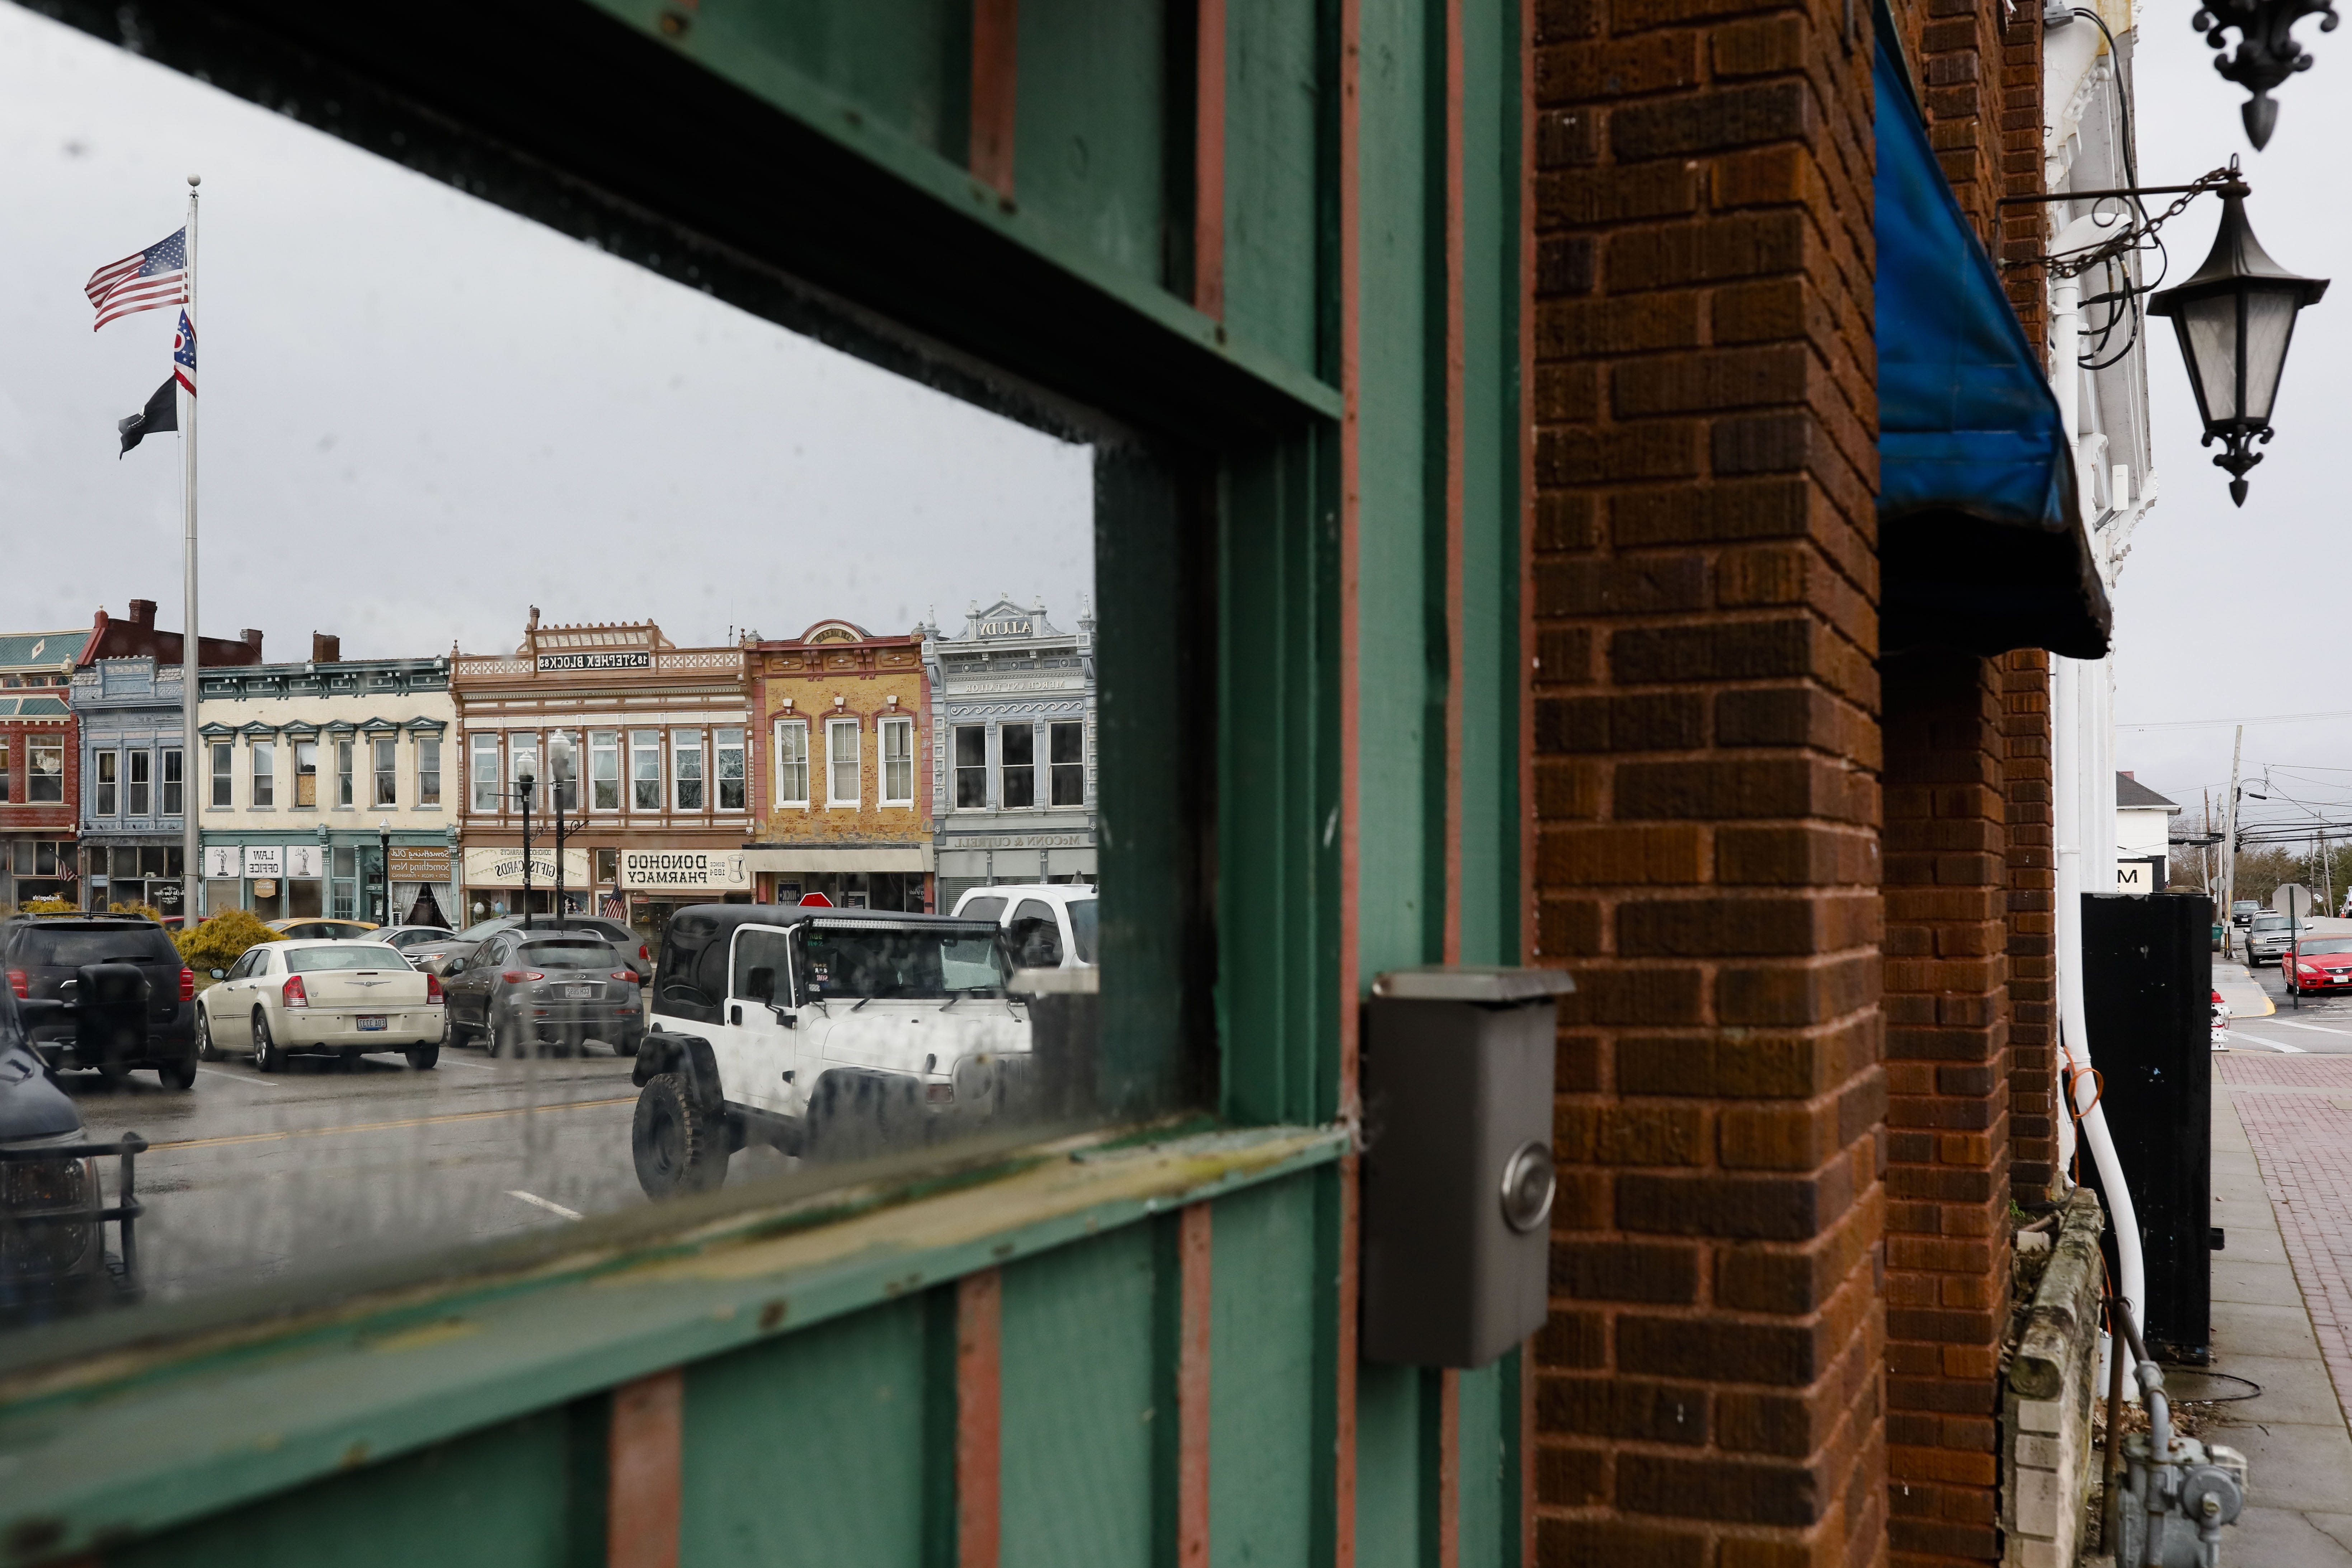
x=1980 y=541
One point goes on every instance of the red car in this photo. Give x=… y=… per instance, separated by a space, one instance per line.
x=2318 y=963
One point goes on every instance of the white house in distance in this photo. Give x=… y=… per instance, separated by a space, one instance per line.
x=2143 y=837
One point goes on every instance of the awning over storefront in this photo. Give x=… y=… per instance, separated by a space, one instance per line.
x=872 y=858
x=1981 y=544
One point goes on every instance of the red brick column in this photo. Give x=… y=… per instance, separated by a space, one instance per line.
x=1946 y=1005
x=2034 y=1107
x=1710 y=1386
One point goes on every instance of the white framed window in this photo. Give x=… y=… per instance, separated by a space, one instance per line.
x=137 y=765
x=1066 y=740
x=604 y=770
x=971 y=767
x=645 y=770
x=486 y=772
x=104 y=802
x=685 y=768
x=223 y=773
x=898 y=761
x=792 y=761
x=727 y=769
x=343 y=793
x=841 y=784
x=428 y=770
x=265 y=774
x=563 y=770
x=174 y=785
x=386 y=771
x=523 y=757
x=306 y=772
x=1017 y=785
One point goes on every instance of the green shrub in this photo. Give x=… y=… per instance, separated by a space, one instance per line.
x=47 y=906
x=219 y=941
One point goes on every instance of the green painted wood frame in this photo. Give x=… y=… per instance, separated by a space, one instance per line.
x=1309 y=494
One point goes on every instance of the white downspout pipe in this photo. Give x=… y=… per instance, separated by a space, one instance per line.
x=2071 y=722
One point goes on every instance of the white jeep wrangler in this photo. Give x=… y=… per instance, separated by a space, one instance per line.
x=830 y=1034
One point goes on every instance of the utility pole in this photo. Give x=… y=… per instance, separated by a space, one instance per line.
x=2230 y=843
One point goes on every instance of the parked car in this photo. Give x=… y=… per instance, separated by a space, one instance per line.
x=308 y=927
x=54 y=1260
x=409 y=939
x=829 y=1033
x=1047 y=925
x=48 y=958
x=528 y=991
x=435 y=957
x=2318 y=963
x=2267 y=937
x=2243 y=911
x=283 y=999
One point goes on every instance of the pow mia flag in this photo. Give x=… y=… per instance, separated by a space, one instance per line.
x=162 y=413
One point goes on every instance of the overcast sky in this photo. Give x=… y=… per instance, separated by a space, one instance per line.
x=2229 y=613
x=422 y=414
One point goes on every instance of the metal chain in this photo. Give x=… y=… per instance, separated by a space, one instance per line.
x=2074 y=263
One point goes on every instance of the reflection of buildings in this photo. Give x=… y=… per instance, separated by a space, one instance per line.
x=304 y=768
x=127 y=691
x=662 y=780
x=844 y=777
x=39 y=765
x=1013 y=721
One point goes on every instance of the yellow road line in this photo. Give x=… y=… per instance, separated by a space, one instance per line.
x=386 y=1126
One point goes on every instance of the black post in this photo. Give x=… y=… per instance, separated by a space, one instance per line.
x=522 y=794
x=384 y=847
x=559 y=853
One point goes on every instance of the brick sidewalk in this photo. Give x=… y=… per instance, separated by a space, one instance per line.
x=2303 y=1142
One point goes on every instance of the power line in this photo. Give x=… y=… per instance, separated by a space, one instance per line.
x=2224 y=723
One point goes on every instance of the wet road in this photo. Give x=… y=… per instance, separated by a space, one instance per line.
x=333 y=1163
x=2319 y=1024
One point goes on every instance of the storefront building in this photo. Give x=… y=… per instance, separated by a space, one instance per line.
x=135 y=761
x=844 y=776
x=1013 y=749
x=40 y=769
x=653 y=740
x=314 y=774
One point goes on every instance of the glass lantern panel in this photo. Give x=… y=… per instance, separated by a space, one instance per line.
x=2270 y=322
x=2209 y=331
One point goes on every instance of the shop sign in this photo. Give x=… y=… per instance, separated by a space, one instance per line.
x=164 y=896
x=692 y=870
x=1021 y=841
x=503 y=868
x=306 y=862
x=221 y=862
x=426 y=863
x=265 y=887
x=265 y=861
x=641 y=660
x=1009 y=626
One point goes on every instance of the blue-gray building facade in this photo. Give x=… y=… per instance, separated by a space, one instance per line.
x=134 y=777
x=1013 y=749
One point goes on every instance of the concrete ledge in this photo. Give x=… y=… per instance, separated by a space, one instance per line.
x=2046 y=1404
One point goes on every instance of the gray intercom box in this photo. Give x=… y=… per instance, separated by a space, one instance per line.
x=1458 y=1182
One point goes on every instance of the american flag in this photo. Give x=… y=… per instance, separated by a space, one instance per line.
x=155 y=277
x=183 y=354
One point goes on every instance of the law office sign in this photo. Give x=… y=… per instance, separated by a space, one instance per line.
x=265 y=861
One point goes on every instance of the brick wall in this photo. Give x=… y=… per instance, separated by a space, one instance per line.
x=1948 y=1012
x=2033 y=1105
x=1710 y=1383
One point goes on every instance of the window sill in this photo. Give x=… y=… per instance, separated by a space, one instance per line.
x=176 y=1412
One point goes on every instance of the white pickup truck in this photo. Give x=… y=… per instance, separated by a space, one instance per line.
x=827 y=1033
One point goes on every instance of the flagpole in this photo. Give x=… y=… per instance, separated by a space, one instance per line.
x=191 y=854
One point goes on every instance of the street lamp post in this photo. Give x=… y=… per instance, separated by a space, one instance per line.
x=2235 y=317
x=525 y=780
x=383 y=865
x=560 y=761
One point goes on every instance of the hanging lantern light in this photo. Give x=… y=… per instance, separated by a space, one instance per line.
x=2235 y=317
x=2267 y=53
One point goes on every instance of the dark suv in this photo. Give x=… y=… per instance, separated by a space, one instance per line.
x=45 y=956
